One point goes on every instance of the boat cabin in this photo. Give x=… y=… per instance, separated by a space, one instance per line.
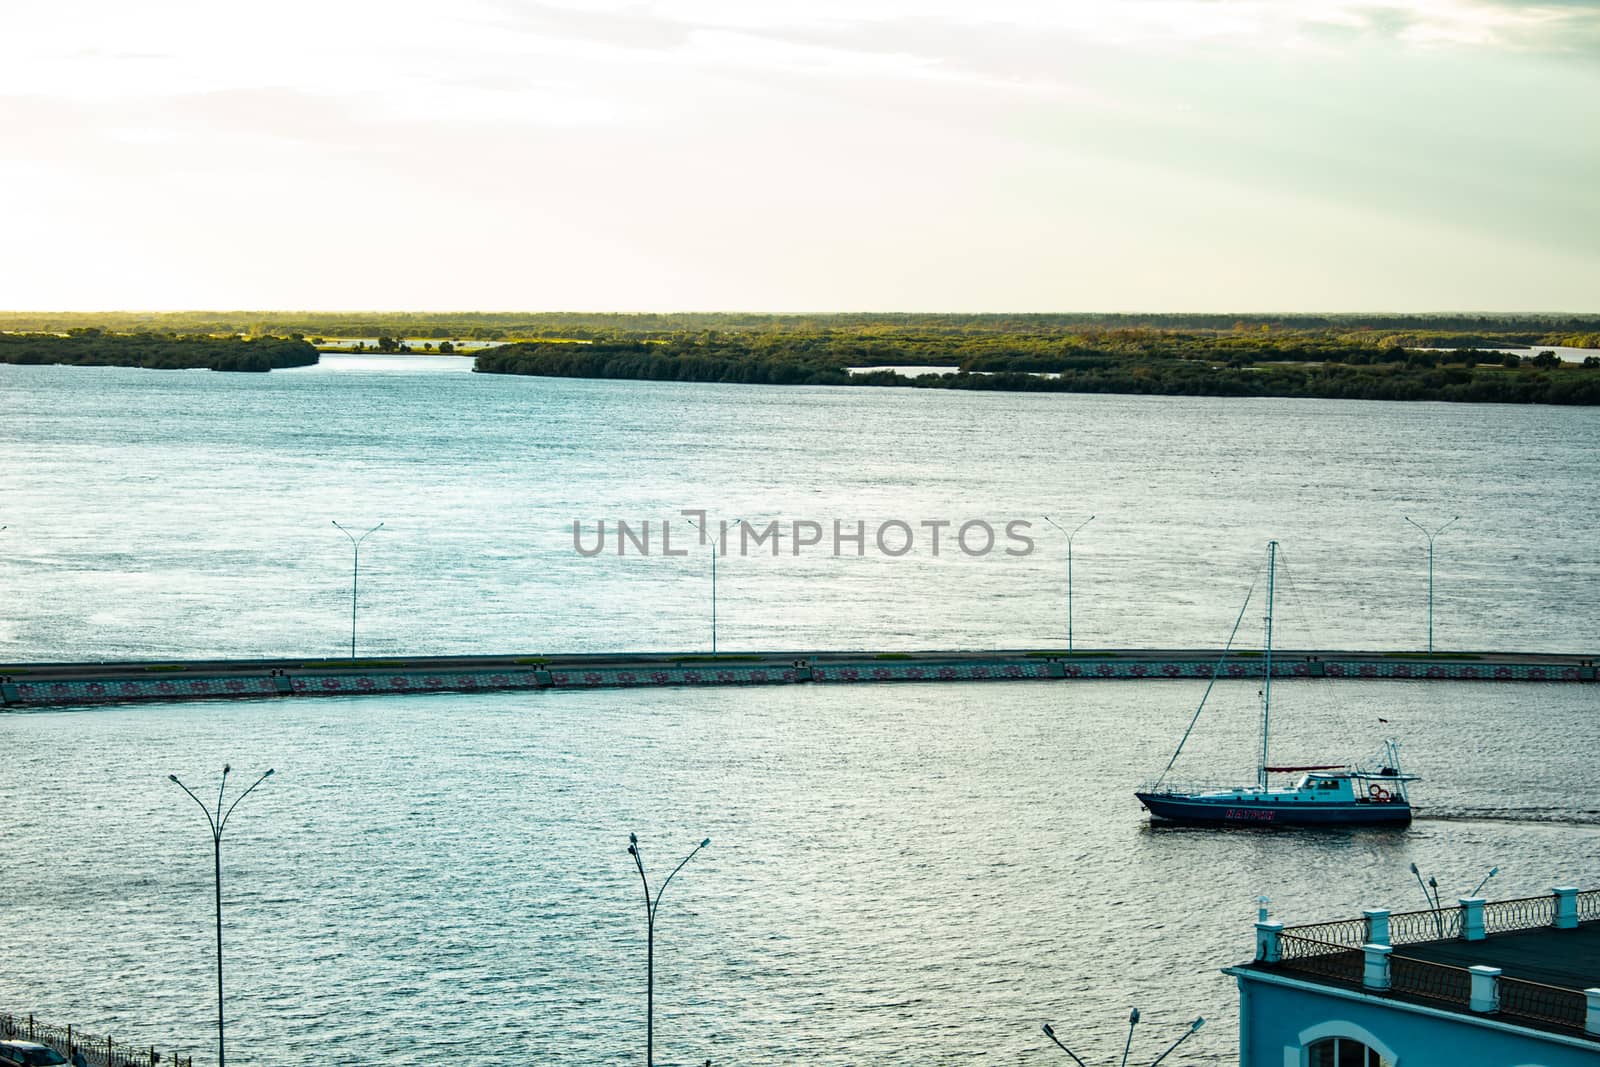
x=1347 y=787
x=1326 y=786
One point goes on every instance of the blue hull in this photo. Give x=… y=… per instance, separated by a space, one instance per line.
x=1172 y=807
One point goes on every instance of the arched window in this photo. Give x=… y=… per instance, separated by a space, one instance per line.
x=1342 y=1052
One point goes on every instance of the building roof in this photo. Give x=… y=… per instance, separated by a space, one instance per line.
x=1569 y=959
x=1545 y=968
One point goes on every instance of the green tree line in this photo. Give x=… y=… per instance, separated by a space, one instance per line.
x=1116 y=362
x=91 y=346
x=1409 y=330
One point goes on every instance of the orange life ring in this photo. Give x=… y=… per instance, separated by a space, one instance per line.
x=1377 y=792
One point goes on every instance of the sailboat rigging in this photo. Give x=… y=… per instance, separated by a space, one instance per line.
x=1323 y=795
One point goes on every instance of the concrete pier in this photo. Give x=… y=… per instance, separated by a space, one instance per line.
x=71 y=684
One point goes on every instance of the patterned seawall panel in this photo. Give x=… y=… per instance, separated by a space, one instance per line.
x=120 y=689
x=928 y=672
x=609 y=677
x=1299 y=668
x=310 y=685
x=1118 y=669
x=1493 y=672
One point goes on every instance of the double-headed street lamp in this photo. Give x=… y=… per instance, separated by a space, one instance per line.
x=1432 y=898
x=218 y=822
x=1430 y=537
x=1070 y=536
x=714 y=540
x=650 y=907
x=355 y=575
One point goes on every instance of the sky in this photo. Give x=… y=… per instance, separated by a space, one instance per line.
x=801 y=155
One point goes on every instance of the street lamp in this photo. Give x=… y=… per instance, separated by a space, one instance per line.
x=218 y=822
x=1133 y=1019
x=651 y=907
x=1070 y=536
x=1430 y=537
x=1051 y=1034
x=355 y=575
x=714 y=540
x=1432 y=899
x=1193 y=1028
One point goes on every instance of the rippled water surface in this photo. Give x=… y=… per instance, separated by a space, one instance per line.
x=909 y=873
x=160 y=514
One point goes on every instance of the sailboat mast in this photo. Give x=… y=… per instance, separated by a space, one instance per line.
x=1266 y=683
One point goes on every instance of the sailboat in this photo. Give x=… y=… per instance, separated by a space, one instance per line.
x=1369 y=794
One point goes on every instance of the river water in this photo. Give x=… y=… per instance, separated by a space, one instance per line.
x=913 y=873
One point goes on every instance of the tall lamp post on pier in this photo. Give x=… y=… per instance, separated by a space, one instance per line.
x=651 y=906
x=1430 y=537
x=218 y=822
x=1070 y=536
x=355 y=576
x=704 y=532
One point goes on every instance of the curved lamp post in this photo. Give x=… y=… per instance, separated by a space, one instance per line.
x=1430 y=893
x=1051 y=1034
x=1431 y=898
x=1430 y=537
x=218 y=822
x=651 y=906
x=1193 y=1028
x=1070 y=536
x=355 y=574
x=1133 y=1020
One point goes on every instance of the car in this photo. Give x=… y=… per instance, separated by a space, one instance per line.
x=28 y=1054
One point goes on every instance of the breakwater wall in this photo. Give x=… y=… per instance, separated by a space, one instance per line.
x=72 y=684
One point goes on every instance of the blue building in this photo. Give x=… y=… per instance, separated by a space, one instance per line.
x=1515 y=983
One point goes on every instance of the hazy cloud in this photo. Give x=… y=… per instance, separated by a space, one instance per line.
x=1538 y=25
x=825 y=153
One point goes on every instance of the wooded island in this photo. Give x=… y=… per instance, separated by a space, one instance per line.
x=1461 y=358
x=91 y=346
x=1328 y=359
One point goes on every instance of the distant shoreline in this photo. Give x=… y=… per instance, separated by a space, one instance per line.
x=1453 y=359
x=1142 y=364
x=93 y=347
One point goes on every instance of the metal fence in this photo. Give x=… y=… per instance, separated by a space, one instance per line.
x=1543 y=1003
x=1446 y=923
x=1525 y=913
x=97 y=1051
x=1436 y=981
x=1435 y=924
x=1346 y=933
x=1333 y=951
x=1519 y=999
x=1324 y=958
